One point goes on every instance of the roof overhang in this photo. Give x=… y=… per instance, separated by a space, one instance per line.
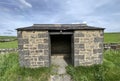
x=38 y=27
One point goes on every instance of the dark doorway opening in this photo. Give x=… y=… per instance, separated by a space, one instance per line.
x=61 y=47
x=60 y=44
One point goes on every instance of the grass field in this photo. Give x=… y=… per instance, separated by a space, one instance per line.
x=11 y=71
x=112 y=37
x=108 y=71
x=12 y=44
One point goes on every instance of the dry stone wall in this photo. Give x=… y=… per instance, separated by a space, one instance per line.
x=88 y=47
x=8 y=50
x=33 y=48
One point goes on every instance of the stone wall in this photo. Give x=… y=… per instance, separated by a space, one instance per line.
x=33 y=48
x=88 y=47
x=8 y=50
x=115 y=46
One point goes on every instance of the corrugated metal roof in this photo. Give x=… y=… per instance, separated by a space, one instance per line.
x=59 y=27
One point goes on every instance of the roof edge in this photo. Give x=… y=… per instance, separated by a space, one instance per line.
x=59 y=27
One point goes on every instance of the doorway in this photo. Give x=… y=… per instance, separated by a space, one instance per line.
x=61 y=47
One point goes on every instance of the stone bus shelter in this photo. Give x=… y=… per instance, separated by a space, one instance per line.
x=82 y=44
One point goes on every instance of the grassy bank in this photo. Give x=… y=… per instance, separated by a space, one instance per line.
x=11 y=71
x=108 y=71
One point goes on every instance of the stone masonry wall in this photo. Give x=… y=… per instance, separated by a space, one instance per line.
x=88 y=47
x=33 y=48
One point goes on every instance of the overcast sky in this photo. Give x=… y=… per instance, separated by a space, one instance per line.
x=20 y=13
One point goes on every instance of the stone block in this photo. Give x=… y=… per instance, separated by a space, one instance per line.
x=101 y=34
x=87 y=63
x=76 y=63
x=79 y=56
x=76 y=40
x=82 y=49
x=33 y=36
x=33 y=63
x=95 y=51
x=19 y=34
x=40 y=63
x=20 y=47
x=97 y=61
x=24 y=52
x=24 y=63
x=76 y=52
x=42 y=58
x=79 y=34
x=79 y=46
x=100 y=45
x=42 y=35
x=39 y=51
x=46 y=52
x=46 y=41
x=100 y=56
x=46 y=63
x=43 y=46
x=98 y=39
x=23 y=41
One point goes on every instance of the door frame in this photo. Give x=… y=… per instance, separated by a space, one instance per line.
x=72 y=43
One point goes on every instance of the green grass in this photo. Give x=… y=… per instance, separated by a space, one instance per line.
x=11 y=71
x=108 y=71
x=12 y=44
x=112 y=37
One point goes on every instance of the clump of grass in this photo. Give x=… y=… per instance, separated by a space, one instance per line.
x=11 y=71
x=108 y=71
x=89 y=73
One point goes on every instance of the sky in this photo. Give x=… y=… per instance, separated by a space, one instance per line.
x=21 y=13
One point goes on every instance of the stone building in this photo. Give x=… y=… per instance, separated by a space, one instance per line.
x=82 y=44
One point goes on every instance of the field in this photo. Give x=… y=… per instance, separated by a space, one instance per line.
x=11 y=44
x=11 y=71
x=112 y=37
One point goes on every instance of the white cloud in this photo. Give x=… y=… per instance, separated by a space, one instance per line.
x=25 y=3
x=83 y=7
x=67 y=11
